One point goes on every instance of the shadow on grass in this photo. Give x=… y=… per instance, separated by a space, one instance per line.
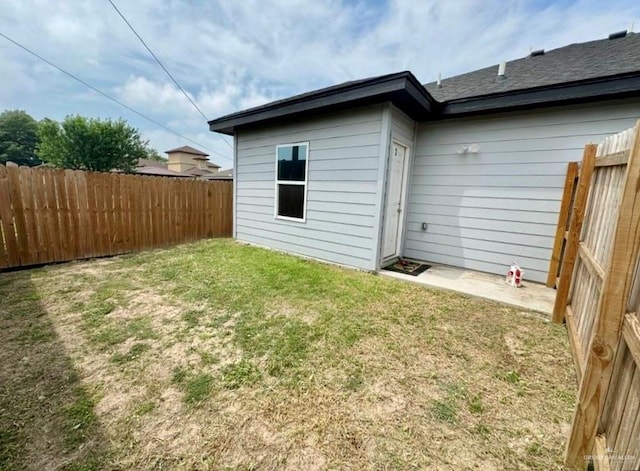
x=47 y=418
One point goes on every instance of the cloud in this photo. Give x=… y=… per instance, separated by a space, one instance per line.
x=229 y=93
x=140 y=92
x=234 y=55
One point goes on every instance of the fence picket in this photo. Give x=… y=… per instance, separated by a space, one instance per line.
x=6 y=218
x=64 y=219
x=85 y=239
x=40 y=202
x=13 y=174
x=74 y=214
x=30 y=216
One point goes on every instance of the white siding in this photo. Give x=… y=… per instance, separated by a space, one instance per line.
x=403 y=128
x=489 y=209
x=342 y=198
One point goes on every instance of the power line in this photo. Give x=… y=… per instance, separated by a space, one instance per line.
x=193 y=103
x=109 y=97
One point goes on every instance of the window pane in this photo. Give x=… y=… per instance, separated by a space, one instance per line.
x=291 y=201
x=292 y=162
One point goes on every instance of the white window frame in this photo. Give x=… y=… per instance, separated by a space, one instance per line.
x=292 y=182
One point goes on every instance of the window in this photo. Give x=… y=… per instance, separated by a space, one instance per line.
x=291 y=180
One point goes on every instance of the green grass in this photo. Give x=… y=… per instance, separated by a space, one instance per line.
x=512 y=377
x=111 y=334
x=198 y=388
x=239 y=374
x=133 y=354
x=145 y=408
x=193 y=317
x=444 y=411
x=79 y=417
x=476 y=406
x=179 y=375
x=222 y=356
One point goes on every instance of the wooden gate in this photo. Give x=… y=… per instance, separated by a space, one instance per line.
x=599 y=297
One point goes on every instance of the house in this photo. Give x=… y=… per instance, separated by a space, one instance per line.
x=220 y=175
x=191 y=161
x=184 y=162
x=158 y=169
x=466 y=172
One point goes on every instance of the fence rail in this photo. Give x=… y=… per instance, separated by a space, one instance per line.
x=599 y=297
x=54 y=215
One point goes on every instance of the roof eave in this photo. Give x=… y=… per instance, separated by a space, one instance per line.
x=403 y=89
x=605 y=88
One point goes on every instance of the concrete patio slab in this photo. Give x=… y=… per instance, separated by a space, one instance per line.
x=531 y=296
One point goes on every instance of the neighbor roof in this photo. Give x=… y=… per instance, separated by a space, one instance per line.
x=151 y=163
x=160 y=171
x=592 y=71
x=221 y=175
x=186 y=150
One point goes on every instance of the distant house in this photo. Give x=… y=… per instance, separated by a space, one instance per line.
x=157 y=168
x=467 y=171
x=221 y=175
x=184 y=162
x=190 y=161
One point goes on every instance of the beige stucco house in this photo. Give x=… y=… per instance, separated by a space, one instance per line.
x=191 y=161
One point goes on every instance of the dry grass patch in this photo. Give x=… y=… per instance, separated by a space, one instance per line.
x=221 y=356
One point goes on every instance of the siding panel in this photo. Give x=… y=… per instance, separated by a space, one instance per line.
x=486 y=210
x=341 y=191
x=402 y=127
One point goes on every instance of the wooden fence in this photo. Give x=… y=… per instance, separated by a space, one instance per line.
x=599 y=297
x=54 y=215
x=564 y=219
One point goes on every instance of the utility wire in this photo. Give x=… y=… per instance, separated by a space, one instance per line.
x=109 y=97
x=193 y=103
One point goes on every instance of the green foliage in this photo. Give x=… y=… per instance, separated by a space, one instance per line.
x=18 y=138
x=153 y=154
x=91 y=144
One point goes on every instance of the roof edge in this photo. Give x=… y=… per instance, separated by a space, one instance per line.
x=598 y=89
x=405 y=91
x=402 y=87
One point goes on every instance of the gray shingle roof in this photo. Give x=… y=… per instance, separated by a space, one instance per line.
x=576 y=62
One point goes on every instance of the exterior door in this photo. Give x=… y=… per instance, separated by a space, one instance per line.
x=394 y=202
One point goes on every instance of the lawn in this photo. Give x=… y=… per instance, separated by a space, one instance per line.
x=216 y=355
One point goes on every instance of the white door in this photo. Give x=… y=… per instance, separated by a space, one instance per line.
x=394 y=202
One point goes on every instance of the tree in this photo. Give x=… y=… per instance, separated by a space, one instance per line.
x=153 y=154
x=91 y=144
x=18 y=138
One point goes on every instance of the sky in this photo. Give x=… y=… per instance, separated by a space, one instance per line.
x=230 y=55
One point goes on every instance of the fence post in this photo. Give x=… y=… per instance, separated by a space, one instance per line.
x=575 y=228
x=563 y=219
x=612 y=308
